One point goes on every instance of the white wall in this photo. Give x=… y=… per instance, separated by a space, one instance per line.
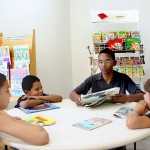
x=51 y=21
x=63 y=31
x=80 y=39
x=80 y=22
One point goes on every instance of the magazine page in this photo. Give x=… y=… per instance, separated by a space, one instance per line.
x=95 y=99
x=123 y=112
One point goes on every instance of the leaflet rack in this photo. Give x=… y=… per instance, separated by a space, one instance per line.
x=21 y=40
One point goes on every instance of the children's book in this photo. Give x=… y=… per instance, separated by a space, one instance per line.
x=96 y=36
x=106 y=36
x=16 y=79
x=92 y=123
x=41 y=120
x=21 y=53
x=41 y=107
x=5 y=54
x=96 y=99
x=115 y=44
x=122 y=34
x=123 y=112
x=135 y=34
x=133 y=43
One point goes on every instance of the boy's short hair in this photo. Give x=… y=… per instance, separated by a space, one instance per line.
x=108 y=51
x=2 y=79
x=28 y=81
x=147 y=86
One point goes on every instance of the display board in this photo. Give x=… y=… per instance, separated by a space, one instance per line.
x=18 y=59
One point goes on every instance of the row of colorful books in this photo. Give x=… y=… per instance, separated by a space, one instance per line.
x=20 y=54
x=104 y=37
x=132 y=72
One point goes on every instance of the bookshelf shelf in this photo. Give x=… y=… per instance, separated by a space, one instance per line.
x=22 y=51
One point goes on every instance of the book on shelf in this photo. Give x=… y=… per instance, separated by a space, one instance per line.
x=123 y=112
x=97 y=98
x=115 y=44
x=92 y=123
x=41 y=107
x=133 y=43
x=41 y=120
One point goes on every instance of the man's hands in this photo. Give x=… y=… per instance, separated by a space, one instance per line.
x=76 y=98
x=122 y=98
x=119 y=98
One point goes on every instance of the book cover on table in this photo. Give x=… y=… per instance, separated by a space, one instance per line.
x=41 y=120
x=92 y=123
x=41 y=107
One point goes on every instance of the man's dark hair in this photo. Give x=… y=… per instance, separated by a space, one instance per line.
x=108 y=51
x=28 y=81
x=2 y=79
x=147 y=86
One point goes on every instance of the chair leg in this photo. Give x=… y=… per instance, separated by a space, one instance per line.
x=6 y=147
x=134 y=145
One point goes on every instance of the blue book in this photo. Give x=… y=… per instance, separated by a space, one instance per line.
x=41 y=107
x=92 y=123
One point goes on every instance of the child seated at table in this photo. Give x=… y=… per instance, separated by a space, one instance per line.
x=34 y=95
x=138 y=118
x=14 y=125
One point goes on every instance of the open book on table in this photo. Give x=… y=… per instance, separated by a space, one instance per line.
x=92 y=123
x=41 y=120
x=41 y=107
x=95 y=99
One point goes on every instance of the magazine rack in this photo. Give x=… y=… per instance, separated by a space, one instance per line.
x=21 y=40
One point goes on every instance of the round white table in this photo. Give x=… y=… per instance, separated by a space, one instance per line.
x=64 y=136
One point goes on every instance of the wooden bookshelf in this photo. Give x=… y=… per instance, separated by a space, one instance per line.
x=21 y=40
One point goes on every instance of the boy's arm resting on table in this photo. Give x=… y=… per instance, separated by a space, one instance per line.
x=32 y=134
x=134 y=121
x=30 y=103
x=74 y=96
x=36 y=100
x=122 y=98
x=137 y=119
x=50 y=98
x=141 y=108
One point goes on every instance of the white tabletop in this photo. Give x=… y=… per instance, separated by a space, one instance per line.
x=65 y=136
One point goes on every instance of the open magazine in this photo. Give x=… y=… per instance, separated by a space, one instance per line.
x=95 y=99
x=123 y=112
